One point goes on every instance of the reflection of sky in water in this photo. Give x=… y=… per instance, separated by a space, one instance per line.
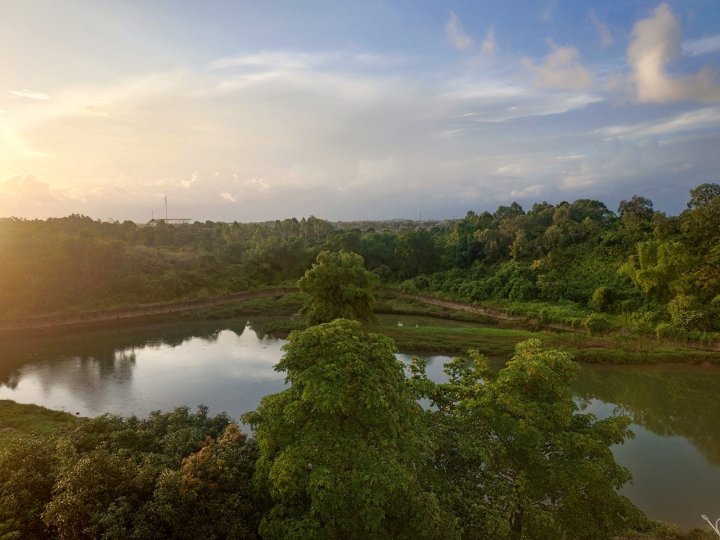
x=230 y=373
x=232 y=370
x=672 y=480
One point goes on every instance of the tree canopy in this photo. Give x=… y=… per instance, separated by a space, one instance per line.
x=341 y=449
x=516 y=458
x=337 y=286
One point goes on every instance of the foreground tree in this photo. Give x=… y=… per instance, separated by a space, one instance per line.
x=337 y=286
x=340 y=450
x=517 y=460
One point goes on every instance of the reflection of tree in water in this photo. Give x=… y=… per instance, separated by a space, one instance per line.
x=665 y=402
x=105 y=353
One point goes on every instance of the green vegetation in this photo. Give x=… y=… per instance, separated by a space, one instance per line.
x=344 y=452
x=516 y=459
x=644 y=271
x=340 y=449
x=173 y=475
x=17 y=419
x=433 y=335
x=337 y=286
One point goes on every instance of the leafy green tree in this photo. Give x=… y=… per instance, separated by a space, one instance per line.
x=657 y=267
x=341 y=449
x=337 y=286
x=516 y=458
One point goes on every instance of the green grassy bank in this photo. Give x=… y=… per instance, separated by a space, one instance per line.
x=18 y=419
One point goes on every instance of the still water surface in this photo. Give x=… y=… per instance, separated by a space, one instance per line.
x=228 y=366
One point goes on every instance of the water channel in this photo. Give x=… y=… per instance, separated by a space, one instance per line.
x=228 y=366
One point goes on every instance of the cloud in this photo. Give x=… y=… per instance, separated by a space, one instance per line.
x=228 y=197
x=28 y=190
x=696 y=47
x=29 y=94
x=534 y=190
x=656 y=43
x=560 y=69
x=456 y=33
x=272 y=59
x=489 y=45
x=606 y=37
x=707 y=117
x=258 y=184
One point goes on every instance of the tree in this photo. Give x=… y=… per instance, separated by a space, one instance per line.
x=341 y=449
x=703 y=194
x=516 y=458
x=337 y=286
x=657 y=268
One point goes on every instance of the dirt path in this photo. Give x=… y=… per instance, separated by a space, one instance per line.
x=487 y=312
x=91 y=317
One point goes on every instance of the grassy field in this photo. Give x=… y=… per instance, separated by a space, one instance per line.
x=427 y=334
x=19 y=419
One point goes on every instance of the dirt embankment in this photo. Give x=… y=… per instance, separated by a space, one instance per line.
x=488 y=312
x=92 y=317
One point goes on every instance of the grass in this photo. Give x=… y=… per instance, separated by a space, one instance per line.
x=426 y=334
x=18 y=419
x=254 y=307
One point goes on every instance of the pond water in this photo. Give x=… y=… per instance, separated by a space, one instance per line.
x=228 y=366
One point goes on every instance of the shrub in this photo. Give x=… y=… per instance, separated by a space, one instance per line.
x=595 y=323
x=670 y=331
x=602 y=299
x=645 y=320
x=520 y=289
x=422 y=283
x=687 y=312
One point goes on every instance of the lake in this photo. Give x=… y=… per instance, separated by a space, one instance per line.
x=228 y=366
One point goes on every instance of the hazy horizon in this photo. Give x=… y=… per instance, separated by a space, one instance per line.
x=383 y=110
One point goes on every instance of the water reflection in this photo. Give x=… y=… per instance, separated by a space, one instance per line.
x=665 y=400
x=136 y=370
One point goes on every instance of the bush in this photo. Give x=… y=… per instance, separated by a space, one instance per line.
x=422 y=283
x=670 y=331
x=595 y=323
x=602 y=299
x=645 y=320
x=687 y=312
x=521 y=290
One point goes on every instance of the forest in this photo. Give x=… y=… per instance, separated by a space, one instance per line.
x=578 y=263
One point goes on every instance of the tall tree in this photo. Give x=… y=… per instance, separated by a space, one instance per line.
x=337 y=286
x=516 y=458
x=340 y=450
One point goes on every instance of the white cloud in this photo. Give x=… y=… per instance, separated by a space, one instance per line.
x=489 y=45
x=604 y=33
x=228 y=197
x=528 y=191
x=258 y=184
x=561 y=69
x=456 y=33
x=656 y=43
x=29 y=94
x=707 y=117
x=277 y=60
x=707 y=44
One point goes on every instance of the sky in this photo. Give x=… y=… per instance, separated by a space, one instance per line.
x=249 y=111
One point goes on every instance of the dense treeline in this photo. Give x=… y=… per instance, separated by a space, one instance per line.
x=575 y=262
